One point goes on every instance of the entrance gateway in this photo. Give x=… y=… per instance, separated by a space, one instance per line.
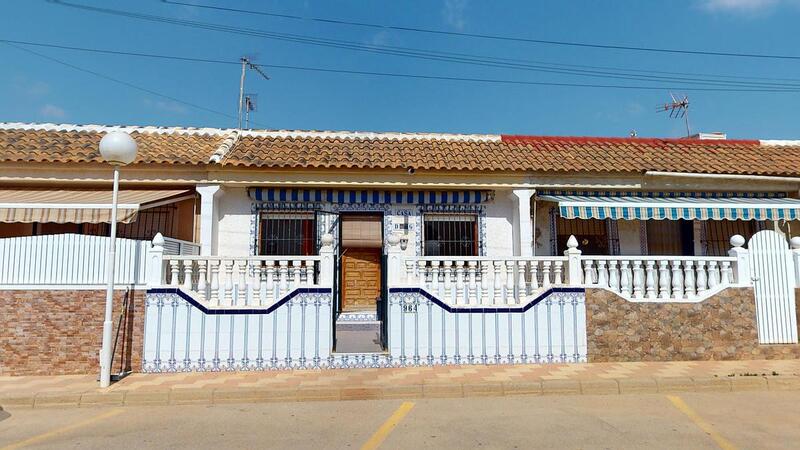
x=361 y=288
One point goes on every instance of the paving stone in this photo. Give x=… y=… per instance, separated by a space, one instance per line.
x=361 y=393
x=407 y=391
x=482 y=389
x=439 y=390
x=522 y=388
x=637 y=386
x=16 y=401
x=779 y=383
x=712 y=384
x=318 y=394
x=191 y=396
x=102 y=398
x=551 y=387
x=748 y=383
x=599 y=387
x=56 y=400
x=675 y=384
x=146 y=398
x=248 y=395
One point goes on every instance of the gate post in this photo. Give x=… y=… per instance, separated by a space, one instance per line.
x=742 y=264
x=573 y=262
x=795 y=243
x=155 y=264
x=394 y=264
x=326 y=263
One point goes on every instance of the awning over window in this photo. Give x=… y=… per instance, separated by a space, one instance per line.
x=674 y=208
x=79 y=206
x=368 y=196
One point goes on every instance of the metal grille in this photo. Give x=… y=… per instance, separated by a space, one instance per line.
x=450 y=234
x=148 y=222
x=287 y=234
x=718 y=234
x=592 y=234
x=670 y=237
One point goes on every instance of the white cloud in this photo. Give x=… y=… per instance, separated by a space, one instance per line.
x=52 y=111
x=453 y=13
x=741 y=6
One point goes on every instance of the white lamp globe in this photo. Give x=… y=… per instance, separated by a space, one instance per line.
x=118 y=148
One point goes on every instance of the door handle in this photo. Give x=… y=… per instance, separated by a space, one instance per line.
x=755 y=279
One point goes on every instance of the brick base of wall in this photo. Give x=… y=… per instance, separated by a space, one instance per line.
x=60 y=332
x=722 y=327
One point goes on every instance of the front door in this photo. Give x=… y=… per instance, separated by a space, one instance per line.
x=361 y=256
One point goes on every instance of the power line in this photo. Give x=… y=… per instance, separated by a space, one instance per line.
x=118 y=81
x=403 y=51
x=375 y=73
x=489 y=36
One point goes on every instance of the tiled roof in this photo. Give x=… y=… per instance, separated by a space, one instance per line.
x=451 y=152
x=43 y=143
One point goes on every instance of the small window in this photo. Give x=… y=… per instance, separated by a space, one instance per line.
x=670 y=237
x=592 y=235
x=290 y=234
x=718 y=234
x=450 y=234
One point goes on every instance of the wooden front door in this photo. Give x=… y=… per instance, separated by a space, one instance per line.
x=361 y=278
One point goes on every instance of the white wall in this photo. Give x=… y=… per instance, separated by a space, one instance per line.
x=233 y=232
x=499 y=225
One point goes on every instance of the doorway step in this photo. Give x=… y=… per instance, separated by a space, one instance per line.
x=358 y=332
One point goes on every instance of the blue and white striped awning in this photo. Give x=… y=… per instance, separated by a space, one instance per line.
x=674 y=208
x=368 y=196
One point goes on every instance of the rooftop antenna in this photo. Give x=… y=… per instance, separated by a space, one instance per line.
x=678 y=109
x=250 y=104
x=247 y=63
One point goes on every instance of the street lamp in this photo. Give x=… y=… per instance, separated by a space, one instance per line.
x=118 y=149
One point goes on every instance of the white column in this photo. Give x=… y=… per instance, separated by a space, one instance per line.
x=208 y=217
x=523 y=226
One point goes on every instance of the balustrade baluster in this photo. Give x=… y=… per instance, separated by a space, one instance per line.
x=472 y=291
x=202 y=283
x=625 y=281
x=283 y=278
x=664 y=282
x=713 y=274
x=485 y=294
x=309 y=272
x=587 y=271
x=214 y=291
x=602 y=273
x=522 y=285
x=270 y=282
x=174 y=270
x=422 y=277
x=638 y=279
x=688 y=279
x=534 y=276
x=558 y=270
x=509 y=294
x=410 y=267
x=228 y=281
x=650 y=280
x=546 y=274
x=497 y=283
x=727 y=273
x=460 y=297
x=613 y=276
x=677 y=280
x=448 y=282
x=296 y=272
x=437 y=288
x=241 y=288
x=188 y=268
x=263 y=287
x=702 y=279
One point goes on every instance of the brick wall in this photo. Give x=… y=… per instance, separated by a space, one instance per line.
x=722 y=327
x=60 y=332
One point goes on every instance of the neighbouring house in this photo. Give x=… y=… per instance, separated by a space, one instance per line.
x=255 y=249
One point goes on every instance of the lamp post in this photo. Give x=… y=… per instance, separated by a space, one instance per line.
x=118 y=149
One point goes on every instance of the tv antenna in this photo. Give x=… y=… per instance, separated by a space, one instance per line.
x=678 y=109
x=250 y=105
x=247 y=63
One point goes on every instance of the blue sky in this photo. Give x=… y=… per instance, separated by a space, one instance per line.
x=33 y=89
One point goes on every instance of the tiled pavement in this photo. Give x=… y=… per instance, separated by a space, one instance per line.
x=437 y=381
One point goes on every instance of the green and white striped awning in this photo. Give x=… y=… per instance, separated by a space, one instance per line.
x=666 y=207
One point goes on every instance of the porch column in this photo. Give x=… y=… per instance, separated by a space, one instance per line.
x=208 y=217
x=523 y=227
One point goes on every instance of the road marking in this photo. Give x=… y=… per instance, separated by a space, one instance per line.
x=701 y=423
x=383 y=432
x=66 y=429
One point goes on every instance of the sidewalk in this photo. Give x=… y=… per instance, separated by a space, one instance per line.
x=395 y=383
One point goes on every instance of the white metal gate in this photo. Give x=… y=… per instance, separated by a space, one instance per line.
x=772 y=271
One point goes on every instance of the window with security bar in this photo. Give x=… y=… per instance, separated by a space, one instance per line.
x=290 y=234
x=595 y=236
x=161 y=219
x=450 y=234
x=718 y=233
x=670 y=237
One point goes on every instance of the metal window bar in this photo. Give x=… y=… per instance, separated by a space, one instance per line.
x=450 y=234
x=717 y=236
x=287 y=234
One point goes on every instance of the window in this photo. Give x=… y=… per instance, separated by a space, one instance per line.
x=670 y=237
x=291 y=234
x=148 y=222
x=592 y=234
x=718 y=234
x=450 y=234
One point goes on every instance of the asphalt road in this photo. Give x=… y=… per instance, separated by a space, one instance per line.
x=692 y=420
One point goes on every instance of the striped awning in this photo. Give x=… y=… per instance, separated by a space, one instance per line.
x=368 y=196
x=79 y=206
x=674 y=208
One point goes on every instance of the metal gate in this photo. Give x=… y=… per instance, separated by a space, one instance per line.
x=772 y=270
